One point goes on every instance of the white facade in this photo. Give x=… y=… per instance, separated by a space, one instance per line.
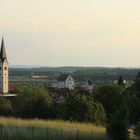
x=4 y=77
x=4 y=71
x=66 y=83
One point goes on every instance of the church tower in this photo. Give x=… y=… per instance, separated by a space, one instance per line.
x=4 y=78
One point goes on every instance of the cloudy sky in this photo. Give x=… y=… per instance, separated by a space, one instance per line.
x=71 y=32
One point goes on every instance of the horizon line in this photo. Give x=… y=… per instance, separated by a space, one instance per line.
x=59 y=66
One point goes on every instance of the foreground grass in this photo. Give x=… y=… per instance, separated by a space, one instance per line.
x=20 y=129
x=70 y=130
x=83 y=127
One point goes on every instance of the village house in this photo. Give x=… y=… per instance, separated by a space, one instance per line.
x=66 y=81
x=89 y=85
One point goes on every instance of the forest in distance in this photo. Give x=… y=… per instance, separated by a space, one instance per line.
x=99 y=75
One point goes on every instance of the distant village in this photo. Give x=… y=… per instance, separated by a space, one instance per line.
x=66 y=85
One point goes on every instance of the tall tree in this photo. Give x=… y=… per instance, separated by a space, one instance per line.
x=84 y=108
x=118 y=123
x=109 y=96
x=121 y=81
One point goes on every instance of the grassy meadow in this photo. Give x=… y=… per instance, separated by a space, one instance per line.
x=35 y=129
x=11 y=128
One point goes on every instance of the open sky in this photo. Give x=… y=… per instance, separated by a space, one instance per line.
x=71 y=32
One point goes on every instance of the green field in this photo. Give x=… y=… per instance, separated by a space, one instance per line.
x=11 y=129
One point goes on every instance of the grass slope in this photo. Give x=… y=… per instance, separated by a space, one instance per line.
x=49 y=129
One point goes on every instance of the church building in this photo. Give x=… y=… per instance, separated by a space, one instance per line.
x=66 y=81
x=4 y=78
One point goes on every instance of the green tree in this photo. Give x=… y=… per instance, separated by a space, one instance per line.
x=109 y=97
x=137 y=130
x=137 y=84
x=132 y=99
x=118 y=124
x=113 y=99
x=84 y=108
x=138 y=76
x=34 y=102
x=121 y=81
x=5 y=107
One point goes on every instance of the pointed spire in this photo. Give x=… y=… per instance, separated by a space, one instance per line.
x=3 y=51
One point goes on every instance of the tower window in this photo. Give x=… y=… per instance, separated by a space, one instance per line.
x=5 y=68
x=0 y=68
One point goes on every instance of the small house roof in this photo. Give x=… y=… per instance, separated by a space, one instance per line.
x=63 y=77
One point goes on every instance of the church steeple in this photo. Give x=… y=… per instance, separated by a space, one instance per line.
x=3 y=51
x=4 y=70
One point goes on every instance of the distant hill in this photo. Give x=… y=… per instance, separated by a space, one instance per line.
x=25 y=66
x=80 y=74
